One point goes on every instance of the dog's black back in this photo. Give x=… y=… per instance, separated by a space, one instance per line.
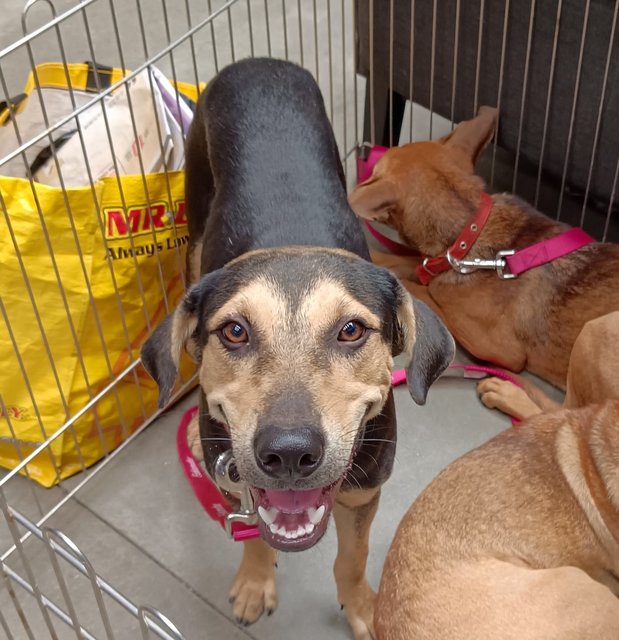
x=263 y=168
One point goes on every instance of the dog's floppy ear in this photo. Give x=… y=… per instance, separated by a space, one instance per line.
x=474 y=135
x=161 y=353
x=428 y=344
x=373 y=199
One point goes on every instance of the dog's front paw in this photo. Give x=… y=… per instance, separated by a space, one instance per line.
x=254 y=590
x=358 y=604
x=506 y=397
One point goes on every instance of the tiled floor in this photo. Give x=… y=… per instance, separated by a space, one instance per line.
x=138 y=522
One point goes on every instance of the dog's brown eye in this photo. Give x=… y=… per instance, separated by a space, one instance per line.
x=351 y=331
x=235 y=333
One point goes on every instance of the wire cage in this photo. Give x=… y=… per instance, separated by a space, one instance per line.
x=390 y=71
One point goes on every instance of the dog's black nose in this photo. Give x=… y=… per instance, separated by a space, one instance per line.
x=289 y=452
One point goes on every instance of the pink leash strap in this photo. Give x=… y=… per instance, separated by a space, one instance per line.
x=398 y=376
x=205 y=490
x=547 y=250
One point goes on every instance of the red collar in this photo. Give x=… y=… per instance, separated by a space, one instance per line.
x=507 y=263
x=433 y=266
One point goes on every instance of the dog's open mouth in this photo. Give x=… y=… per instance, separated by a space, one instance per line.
x=294 y=520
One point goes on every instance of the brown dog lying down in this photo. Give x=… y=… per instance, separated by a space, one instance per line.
x=427 y=191
x=518 y=539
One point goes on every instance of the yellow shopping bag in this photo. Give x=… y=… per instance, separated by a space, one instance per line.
x=86 y=272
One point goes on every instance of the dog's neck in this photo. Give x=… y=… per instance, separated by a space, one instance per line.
x=589 y=463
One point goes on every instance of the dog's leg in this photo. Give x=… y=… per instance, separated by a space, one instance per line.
x=254 y=589
x=518 y=402
x=353 y=512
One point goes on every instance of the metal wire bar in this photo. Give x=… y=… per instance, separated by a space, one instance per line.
x=22 y=369
x=146 y=613
x=598 y=122
x=268 y=26
x=56 y=20
x=371 y=73
x=69 y=423
x=231 y=35
x=500 y=87
x=574 y=104
x=251 y=28
x=4 y=411
x=192 y=47
x=5 y=627
x=47 y=603
x=36 y=592
x=316 y=42
x=610 y=202
x=75 y=557
x=345 y=119
x=330 y=54
x=213 y=41
x=106 y=92
x=432 y=65
x=18 y=608
x=480 y=33
x=75 y=623
x=285 y=30
x=54 y=537
x=300 y=30
x=390 y=79
x=70 y=216
x=551 y=75
x=184 y=388
x=411 y=61
x=454 y=75
x=523 y=99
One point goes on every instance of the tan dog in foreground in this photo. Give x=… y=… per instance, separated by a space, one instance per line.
x=427 y=191
x=518 y=539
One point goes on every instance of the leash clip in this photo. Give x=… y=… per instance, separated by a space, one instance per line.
x=227 y=479
x=498 y=264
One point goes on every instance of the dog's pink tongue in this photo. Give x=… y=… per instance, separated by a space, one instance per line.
x=293 y=501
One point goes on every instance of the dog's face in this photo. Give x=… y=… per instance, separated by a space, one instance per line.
x=295 y=350
x=423 y=189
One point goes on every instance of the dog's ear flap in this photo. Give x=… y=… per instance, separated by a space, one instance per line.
x=474 y=135
x=429 y=346
x=373 y=199
x=161 y=353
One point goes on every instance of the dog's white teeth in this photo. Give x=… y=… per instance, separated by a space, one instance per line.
x=309 y=528
x=268 y=515
x=273 y=528
x=300 y=531
x=315 y=515
x=281 y=532
x=290 y=535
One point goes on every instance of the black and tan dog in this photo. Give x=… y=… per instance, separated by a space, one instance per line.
x=293 y=329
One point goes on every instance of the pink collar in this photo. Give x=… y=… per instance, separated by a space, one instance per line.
x=205 y=490
x=508 y=263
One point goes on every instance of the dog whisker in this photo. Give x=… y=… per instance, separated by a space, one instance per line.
x=361 y=469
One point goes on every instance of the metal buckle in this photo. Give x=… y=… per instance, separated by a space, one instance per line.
x=225 y=471
x=498 y=264
x=424 y=265
x=363 y=150
x=500 y=271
